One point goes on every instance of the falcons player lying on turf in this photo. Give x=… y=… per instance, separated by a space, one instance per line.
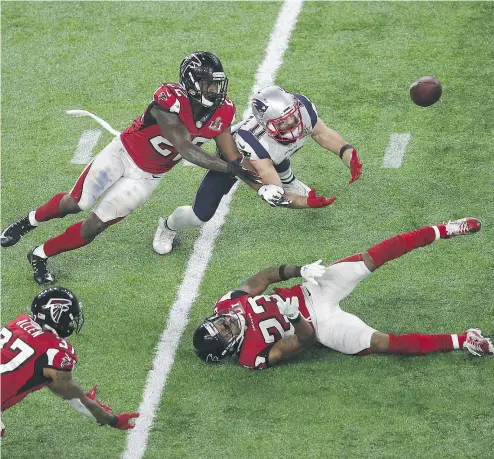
x=280 y=125
x=178 y=121
x=35 y=354
x=263 y=330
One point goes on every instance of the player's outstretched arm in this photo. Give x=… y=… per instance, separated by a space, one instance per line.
x=176 y=132
x=259 y=282
x=64 y=385
x=227 y=146
x=225 y=143
x=332 y=141
x=272 y=189
x=312 y=201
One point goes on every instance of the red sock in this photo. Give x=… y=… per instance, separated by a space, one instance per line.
x=399 y=245
x=64 y=242
x=416 y=344
x=50 y=209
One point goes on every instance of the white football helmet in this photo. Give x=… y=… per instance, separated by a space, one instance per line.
x=279 y=112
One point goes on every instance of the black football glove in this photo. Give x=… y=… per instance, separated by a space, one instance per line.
x=235 y=169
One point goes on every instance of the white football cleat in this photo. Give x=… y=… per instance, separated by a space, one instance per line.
x=163 y=238
x=467 y=225
x=296 y=187
x=476 y=344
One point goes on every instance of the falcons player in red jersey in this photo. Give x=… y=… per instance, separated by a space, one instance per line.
x=263 y=330
x=178 y=121
x=35 y=354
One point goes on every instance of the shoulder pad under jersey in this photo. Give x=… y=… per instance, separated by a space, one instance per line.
x=309 y=107
x=167 y=96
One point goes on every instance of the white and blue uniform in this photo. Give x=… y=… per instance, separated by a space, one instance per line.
x=254 y=142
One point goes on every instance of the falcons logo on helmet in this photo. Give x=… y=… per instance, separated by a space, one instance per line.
x=194 y=62
x=57 y=307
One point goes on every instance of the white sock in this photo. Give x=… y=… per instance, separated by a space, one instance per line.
x=287 y=176
x=181 y=218
x=456 y=343
x=40 y=251
x=438 y=235
x=32 y=218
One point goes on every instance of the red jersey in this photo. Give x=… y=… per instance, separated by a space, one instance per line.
x=265 y=325
x=144 y=140
x=26 y=350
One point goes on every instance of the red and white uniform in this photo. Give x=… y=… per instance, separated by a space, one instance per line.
x=318 y=304
x=265 y=325
x=335 y=328
x=25 y=350
x=147 y=146
x=128 y=169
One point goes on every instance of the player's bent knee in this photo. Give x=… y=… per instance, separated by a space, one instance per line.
x=380 y=342
x=92 y=226
x=369 y=262
x=68 y=205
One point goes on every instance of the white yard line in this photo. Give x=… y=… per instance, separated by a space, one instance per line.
x=395 y=151
x=177 y=320
x=84 y=150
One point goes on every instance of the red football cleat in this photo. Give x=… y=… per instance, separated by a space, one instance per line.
x=478 y=345
x=467 y=225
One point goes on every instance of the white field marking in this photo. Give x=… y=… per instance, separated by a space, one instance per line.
x=197 y=264
x=95 y=118
x=278 y=43
x=393 y=156
x=84 y=159
x=84 y=150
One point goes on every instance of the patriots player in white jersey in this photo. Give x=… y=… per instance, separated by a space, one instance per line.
x=280 y=125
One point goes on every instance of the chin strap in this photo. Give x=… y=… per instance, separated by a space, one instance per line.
x=206 y=117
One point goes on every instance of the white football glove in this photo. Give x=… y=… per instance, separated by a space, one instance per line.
x=289 y=307
x=273 y=195
x=309 y=272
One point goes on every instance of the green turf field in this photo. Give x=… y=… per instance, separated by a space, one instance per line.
x=355 y=60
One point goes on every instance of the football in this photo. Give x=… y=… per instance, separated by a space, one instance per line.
x=426 y=91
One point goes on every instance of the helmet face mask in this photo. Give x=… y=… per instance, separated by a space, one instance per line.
x=59 y=310
x=279 y=112
x=203 y=79
x=212 y=345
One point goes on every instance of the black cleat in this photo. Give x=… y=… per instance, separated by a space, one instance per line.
x=42 y=274
x=13 y=232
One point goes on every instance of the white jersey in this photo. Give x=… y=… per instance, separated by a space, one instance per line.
x=254 y=142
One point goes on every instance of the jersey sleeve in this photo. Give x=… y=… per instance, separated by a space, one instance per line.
x=258 y=361
x=250 y=146
x=166 y=99
x=309 y=106
x=61 y=359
